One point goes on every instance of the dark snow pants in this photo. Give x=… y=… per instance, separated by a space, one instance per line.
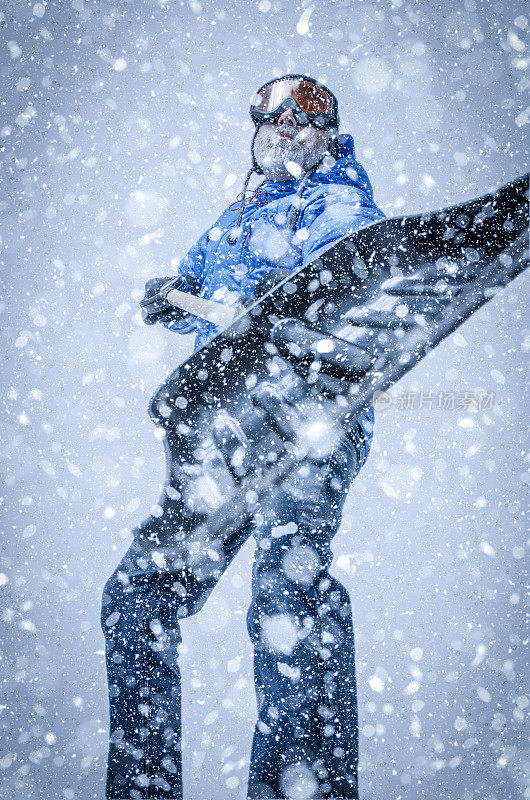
x=306 y=738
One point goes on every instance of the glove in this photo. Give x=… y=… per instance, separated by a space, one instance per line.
x=270 y=280
x=154 y=305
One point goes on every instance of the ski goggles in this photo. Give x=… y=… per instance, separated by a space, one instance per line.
x=311 y=102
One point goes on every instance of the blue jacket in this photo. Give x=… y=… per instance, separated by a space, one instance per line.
x=334 y=204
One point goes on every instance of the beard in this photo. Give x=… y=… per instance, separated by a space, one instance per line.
x=272 y=152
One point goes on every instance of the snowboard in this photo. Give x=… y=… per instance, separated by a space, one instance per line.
x=299 y=365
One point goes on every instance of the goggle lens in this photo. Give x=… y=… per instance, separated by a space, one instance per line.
x=310 y=98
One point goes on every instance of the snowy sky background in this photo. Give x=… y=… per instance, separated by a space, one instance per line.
x=124 y=132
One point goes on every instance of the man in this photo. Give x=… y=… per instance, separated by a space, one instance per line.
x=306 y=741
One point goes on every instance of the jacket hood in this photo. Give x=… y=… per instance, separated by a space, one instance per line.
x=346 y=170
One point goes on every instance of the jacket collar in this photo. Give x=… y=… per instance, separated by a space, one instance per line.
x=346 y=170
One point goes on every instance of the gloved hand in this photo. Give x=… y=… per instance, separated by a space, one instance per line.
x=154 y=305
x=330 y=363
x=264 y=285
x=270 y=280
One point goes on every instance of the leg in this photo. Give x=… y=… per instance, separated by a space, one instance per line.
x=306 y=739
x=142 y=604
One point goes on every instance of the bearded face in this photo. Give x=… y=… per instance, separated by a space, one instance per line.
x=277 y=145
